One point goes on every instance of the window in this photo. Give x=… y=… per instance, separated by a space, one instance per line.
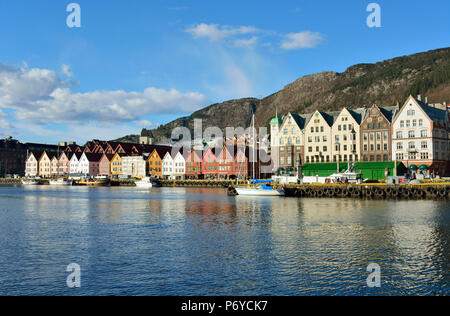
x=420 y=123
x=385 y=147
x=325 y=148
x=424 y=133
x=310 y=149
x=325 y=138
x=285 y=131
x=412 y=156
x=321 y=129
x=372 y=136
x=414 y=123
x=339 y=128
x=412 y=145
x=310 y=139
x=399 y=156
x=423 y=155
x=378 y=136
x=385 y=136
x=411 y=134
x=408 y=123
x=424 y=145
x=365 y=136
x=402 y=123
x=297 y=140
x=312 y=129
x=365 y=147
x=399 y=135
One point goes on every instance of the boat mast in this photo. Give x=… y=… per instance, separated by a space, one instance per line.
x=253 y=132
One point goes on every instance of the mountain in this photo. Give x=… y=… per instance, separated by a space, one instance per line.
x=384 y=83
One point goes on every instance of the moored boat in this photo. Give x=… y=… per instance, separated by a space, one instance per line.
x=95 y=182
x=144 y=183
x=60 y=182
x=260 y=190
x=30 y=182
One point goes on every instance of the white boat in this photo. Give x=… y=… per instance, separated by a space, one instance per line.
x=144 y=183
x=30 y=182
x=60 y=182
x=261 y=190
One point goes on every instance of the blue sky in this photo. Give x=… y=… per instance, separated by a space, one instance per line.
x=139 y=63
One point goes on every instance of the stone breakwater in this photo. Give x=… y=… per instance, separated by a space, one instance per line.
x=10 y=181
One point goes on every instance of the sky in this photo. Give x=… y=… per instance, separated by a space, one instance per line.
x=141 y=63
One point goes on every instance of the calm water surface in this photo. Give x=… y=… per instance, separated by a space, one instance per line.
x=131 y=241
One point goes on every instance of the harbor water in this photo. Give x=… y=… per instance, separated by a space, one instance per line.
x=177 y=241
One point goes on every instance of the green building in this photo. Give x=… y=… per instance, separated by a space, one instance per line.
x=369 y=170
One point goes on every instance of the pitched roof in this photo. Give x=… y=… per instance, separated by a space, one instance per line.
x=93 y=157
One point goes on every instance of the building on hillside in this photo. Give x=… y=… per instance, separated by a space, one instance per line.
x=54 y=166
x=154 y=161
x=318 y=137
x=13 y=155
x=64 y=164
x=167 y=167
x=194 y=165
x=292 y=142
x=32 y=164
x=89 y=164
x=225 y=162
x=209 y=164
x=376 y=134
x=420 y=137
x=75 y=163
x=116 y=165
x=275 y=125
x=179 y=166
x=105 y=165
x=147 y=137
x=45 y=164
x=346 y=135
x=134 y=166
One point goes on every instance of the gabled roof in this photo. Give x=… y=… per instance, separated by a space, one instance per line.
x=108 y=156
x=91 y=157
x=77 y=155
x=330 y=117
x=36 y=154
x=389 y=112
x=358 y=114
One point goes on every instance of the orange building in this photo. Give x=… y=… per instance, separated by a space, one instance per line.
x=154 y=161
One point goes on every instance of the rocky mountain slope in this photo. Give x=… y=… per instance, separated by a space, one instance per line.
x=384 y=83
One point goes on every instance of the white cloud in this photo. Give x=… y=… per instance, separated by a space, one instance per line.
x=40 y=96
x=306 y=39
x=65 y=69
x=147 y=124
x=215 y=32
x=246 y=42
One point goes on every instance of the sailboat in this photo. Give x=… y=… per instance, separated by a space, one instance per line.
x=258 y=187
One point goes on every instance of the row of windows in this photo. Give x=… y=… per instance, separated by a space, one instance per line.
x=378 y=147
x=336 y=158
x=412 y=156
x=412 y=134
x=412 y=123
x=371 y=136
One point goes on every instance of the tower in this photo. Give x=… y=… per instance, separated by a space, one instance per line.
x=275 y=124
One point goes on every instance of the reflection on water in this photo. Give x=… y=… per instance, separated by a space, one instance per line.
x=131 y=241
